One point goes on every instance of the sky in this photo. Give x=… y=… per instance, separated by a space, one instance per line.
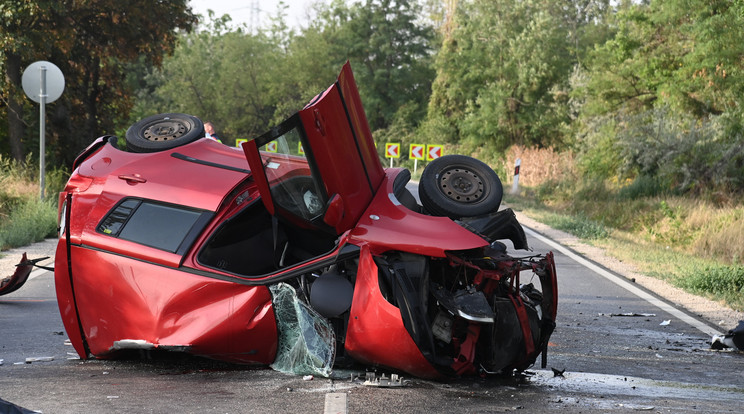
x=240 y=10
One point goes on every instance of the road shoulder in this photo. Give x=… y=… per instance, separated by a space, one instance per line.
x=715 y=313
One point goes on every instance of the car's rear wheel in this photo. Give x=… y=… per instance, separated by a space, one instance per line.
x=459 y=186
x=163 y=131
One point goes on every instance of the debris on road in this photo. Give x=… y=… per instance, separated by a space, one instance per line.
x=734 y=338
x=631 y=314
x=372 y=380
x=558 y=372
x=39 y=359
x=666 y=322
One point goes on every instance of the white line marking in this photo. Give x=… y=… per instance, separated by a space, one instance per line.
x=702 y=327
x=36 y=273
x=335 y=403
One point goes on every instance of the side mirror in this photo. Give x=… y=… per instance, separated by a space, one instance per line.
x=334 y=211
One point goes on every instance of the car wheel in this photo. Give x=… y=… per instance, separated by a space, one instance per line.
x=163 y=131
x=459 y=186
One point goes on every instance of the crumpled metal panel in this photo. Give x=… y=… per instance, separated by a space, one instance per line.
x=126 y=299
x=18 y=278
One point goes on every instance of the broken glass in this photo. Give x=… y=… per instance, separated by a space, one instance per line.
x=306 y=339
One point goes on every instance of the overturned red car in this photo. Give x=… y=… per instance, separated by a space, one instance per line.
x=298 y=251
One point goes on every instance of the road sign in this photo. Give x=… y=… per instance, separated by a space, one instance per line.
x=300 y=148
x=434 y=151
x=46 y=75
x=43 y=82
x=416 y=151
x=392 y=150
x=239 y=141
x=271 y=147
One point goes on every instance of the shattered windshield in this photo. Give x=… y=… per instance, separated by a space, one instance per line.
x=293 y=186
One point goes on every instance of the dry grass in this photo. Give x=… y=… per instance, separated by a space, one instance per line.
x=539 y=165
x=695 y=243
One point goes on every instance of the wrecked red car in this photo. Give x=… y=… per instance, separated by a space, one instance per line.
x=298 y=251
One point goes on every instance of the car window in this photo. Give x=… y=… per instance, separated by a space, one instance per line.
x=291 y=181
x=153 y=224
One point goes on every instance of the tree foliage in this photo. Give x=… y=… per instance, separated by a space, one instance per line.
x=665 y=94
x=502 y=72
x=246 y=81
x=93 y=43
x=625 y=84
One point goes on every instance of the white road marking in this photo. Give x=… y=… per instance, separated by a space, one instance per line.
x=335 y=403
x=702 y=327
x=36 y=273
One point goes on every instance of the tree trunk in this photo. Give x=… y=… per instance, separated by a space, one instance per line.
x=15 y=106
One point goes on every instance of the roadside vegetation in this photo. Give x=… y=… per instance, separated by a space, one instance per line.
x=24 y=217
x=695 y=243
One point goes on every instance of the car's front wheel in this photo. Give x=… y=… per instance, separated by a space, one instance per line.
x=163 y=131
x=459 y=186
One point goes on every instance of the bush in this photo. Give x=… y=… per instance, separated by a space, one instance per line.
x=24 y=218
x=579 y=226
x=31 y=221
x=644 y=186
x=689 y=154
x=721 y=281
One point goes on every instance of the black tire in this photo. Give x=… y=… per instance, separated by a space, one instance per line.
x=163 y=131
x=459 y=186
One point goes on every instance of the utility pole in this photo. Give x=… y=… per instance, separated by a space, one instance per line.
x=255 y=15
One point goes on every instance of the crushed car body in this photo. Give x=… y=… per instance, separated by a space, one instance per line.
x=298 y=250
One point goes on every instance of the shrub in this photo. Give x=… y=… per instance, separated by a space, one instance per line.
x=644 y=186
x=33 y=220
x=579 y=226
x=722 y=281
x=691 y=155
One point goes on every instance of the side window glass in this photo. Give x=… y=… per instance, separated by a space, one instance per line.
x=152 y=224
x=293 y=186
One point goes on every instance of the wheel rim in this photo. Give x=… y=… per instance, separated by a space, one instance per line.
x=461 y=185
x=165 y=130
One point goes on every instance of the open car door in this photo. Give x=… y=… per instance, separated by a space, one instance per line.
x=319 y=169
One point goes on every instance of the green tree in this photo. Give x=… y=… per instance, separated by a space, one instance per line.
x=93 y=43
x=503 y=70
x=245 y=82
x=229 y=77
x=393 y=49
x=24 y=27
x=673 y=67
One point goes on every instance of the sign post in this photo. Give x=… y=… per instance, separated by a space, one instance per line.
x=43 y=82
x=515 y=184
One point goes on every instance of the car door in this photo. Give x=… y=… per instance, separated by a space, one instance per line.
x=319 y=169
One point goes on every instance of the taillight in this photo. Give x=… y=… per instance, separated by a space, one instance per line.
x=62 y=218
x=78 y=183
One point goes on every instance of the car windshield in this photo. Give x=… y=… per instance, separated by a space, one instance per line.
x=292 y=184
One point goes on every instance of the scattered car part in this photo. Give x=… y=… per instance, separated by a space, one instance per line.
x=393 y=381
x=20 y=276
x=734 y=338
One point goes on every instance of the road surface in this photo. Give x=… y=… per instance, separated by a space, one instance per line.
x=657 y=360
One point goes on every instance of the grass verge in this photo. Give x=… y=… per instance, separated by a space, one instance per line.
x=684 y=242
x=24 y=218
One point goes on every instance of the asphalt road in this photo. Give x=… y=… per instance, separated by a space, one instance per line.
x=656 y=361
